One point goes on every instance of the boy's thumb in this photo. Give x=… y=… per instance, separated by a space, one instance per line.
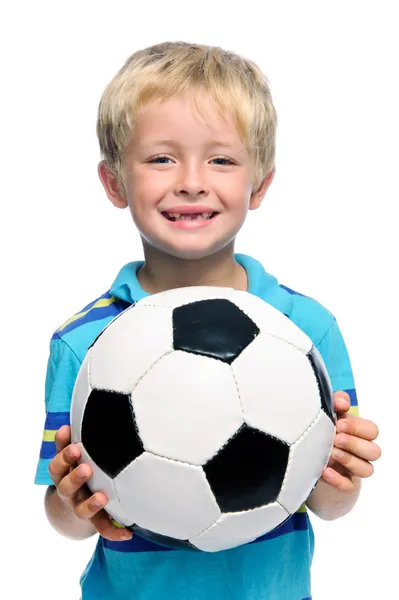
x=62 y=437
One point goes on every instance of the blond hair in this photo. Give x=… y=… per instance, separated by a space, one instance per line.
x=162 y=71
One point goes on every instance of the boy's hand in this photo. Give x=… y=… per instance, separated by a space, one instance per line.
x=353 y=447
x=70 y=481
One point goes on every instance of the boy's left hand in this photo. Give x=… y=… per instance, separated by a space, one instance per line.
x=353 y=447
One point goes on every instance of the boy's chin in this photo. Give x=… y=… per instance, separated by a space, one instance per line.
x=190 y=254
x=187 y=253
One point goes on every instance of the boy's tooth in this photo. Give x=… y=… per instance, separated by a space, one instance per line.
x=175 y=215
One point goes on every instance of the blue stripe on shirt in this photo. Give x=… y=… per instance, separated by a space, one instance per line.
x=48 y=450
x=55 y=420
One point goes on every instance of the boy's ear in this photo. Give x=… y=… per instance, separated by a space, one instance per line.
x=111 y=185
x=258 y=195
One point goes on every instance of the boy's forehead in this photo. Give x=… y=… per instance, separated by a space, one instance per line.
x=159 y=123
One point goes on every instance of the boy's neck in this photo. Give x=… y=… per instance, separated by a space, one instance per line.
x=161 y=272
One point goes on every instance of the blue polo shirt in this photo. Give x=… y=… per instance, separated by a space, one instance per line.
x=276 y=566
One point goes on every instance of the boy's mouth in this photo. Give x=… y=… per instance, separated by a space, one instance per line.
x=195 y=216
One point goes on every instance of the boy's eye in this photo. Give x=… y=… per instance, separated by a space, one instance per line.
x=225 y=159
x=157 y=158
x=165 y=158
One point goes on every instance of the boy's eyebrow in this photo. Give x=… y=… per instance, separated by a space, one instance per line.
x=211 y=143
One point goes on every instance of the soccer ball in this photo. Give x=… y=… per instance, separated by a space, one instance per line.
x=206 y=416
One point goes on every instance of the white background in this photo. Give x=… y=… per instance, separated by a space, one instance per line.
x=328 y=228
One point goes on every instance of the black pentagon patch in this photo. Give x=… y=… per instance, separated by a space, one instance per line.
x=109 y=431
x=323 y=380
x=161 y=540
x=248 y=471
x=215 y=328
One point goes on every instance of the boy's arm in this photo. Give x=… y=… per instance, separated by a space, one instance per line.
x=330 y=503
x=339 y=487
x=63 y=519
x=62 y=369
x=327 y=501
x=354 y=450
x=69 y=506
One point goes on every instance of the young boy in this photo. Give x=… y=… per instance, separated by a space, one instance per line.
x=187 y=133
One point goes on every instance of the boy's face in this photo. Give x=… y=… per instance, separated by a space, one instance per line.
x=177 y=164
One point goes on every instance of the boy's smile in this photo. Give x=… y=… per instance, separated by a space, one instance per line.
x=188 y=180
x=190 y=217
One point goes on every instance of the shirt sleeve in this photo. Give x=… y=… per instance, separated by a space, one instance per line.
x=336 y=358
x=62 y=370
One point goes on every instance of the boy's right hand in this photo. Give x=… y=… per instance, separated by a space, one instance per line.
x=70 y=481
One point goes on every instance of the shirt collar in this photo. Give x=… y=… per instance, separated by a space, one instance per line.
x=127 y=286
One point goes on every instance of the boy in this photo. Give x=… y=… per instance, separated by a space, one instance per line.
x=187 y=133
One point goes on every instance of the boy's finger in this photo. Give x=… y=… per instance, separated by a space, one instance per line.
x=344 y=484
x=62 y=438
x=341 y=402
x=61 y=464
x=92 y=505
x=357 y=446
x=106 y=529
x=356 y=466
x=359 y=427
x=70 y=484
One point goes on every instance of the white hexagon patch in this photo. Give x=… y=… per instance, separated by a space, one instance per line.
x=166 y=497
x=278 y=388
x=112 y=366
x=192 y=413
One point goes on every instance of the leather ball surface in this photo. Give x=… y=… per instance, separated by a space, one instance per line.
x=206 y=415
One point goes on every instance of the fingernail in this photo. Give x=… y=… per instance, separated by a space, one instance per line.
x=338 y=453
x=125 y=536
x=81 y=471
x=328 y=473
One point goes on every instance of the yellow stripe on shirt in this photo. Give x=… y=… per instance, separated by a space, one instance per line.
x=49 y=435
x=354 y=410
x=99 y=304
